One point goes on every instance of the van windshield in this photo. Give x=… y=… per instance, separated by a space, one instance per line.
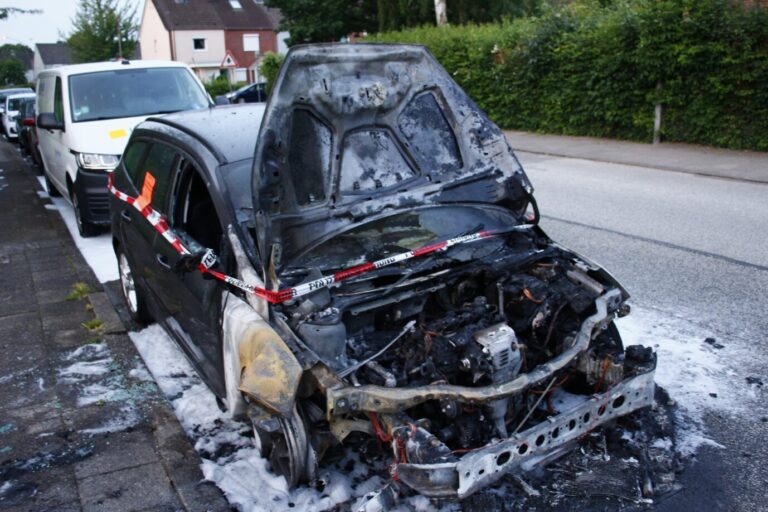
x=133 y=92
x=14 y=104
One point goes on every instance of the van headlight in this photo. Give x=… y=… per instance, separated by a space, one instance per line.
x=97 y=161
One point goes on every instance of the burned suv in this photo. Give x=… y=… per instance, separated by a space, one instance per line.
x=373 y=270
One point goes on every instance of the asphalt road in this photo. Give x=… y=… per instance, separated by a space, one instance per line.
x=693 y=249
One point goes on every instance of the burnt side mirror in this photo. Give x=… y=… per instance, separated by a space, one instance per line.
x=49 y=122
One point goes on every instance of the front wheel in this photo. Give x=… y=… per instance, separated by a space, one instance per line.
x=133 y=296
x=87 y=229
x=288 y=449
x=50 y=187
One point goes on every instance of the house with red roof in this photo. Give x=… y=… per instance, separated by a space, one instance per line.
x=214 y=37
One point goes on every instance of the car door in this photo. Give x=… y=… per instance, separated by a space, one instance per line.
x=136 y=233
x=192 y=299
x=52 y=142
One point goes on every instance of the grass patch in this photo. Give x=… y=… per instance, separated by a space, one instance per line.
x=79 y=290
x=93 y=325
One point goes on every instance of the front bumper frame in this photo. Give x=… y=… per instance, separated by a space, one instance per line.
x=534 y=447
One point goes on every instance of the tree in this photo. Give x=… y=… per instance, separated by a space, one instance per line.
x=16 y=51
x=103 y=30
x=11 y=72
x=7 y=11
x=314 y=21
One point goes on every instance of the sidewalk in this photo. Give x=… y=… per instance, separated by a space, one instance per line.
x=82 y=424
x=703 y=160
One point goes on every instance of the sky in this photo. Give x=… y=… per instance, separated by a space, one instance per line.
x=55 y=19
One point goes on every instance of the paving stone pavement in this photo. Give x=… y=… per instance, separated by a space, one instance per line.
x=82 y=427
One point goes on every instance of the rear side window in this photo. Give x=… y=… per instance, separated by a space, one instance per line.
x=432 y=142
x=58 y=104
x=310 y=157
x=370 y=161
x=160 y=164
x=132 y=159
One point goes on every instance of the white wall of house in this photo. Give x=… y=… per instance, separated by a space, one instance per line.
x=282 y=48
x=154 y=38
x=37 y=63
x=206 y=73
x=212 y=55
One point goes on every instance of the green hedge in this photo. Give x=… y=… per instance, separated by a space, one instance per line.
x=270 y=67
x=220 y=86
x=594 y=69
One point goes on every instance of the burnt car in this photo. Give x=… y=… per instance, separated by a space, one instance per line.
x=361 y=262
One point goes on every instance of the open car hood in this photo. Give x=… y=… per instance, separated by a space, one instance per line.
x=357 y=130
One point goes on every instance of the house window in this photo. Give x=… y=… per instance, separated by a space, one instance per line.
x=198 y=44
x=241 y=75
x=235 y=4
x=251 y=43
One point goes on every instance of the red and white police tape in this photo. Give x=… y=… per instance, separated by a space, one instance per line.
x=208 y=260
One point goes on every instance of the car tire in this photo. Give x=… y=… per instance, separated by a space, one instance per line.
x=50 y=187
x=37 y=159
x=38 y=166
x=133 y=294
x=288 y=449
x=86 y=229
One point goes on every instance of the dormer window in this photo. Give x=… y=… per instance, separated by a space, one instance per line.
x=235 y=4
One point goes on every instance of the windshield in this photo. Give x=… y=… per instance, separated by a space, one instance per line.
x=403 y=232
x=133 y=92
x=27 y=107
x=14 y=104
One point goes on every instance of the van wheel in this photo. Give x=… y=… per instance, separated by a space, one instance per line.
x=86 y=229
x=133 y=295
x=50 y=187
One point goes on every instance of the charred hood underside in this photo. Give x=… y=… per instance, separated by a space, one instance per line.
x=355 y=130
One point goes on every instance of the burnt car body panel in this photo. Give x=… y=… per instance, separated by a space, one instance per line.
x=328 y=100
x=188 y=308
x=366 y=152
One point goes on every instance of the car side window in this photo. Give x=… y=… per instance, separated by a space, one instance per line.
x=160 y=165
x=58 y=103
x=133 y=157
x=193 y=212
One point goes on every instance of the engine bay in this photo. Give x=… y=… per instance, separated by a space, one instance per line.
x=470 y=323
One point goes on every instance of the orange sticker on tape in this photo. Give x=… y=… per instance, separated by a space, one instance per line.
x=146 y=191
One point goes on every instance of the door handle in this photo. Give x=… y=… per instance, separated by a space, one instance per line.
x=126 y=216
x=163 y=262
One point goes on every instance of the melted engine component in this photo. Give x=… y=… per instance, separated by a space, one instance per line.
x=477 y=328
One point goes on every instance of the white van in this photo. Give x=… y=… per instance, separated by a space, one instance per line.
x=11 y=110
x=86 y=114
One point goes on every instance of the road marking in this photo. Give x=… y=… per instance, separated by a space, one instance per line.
x=662 y=243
